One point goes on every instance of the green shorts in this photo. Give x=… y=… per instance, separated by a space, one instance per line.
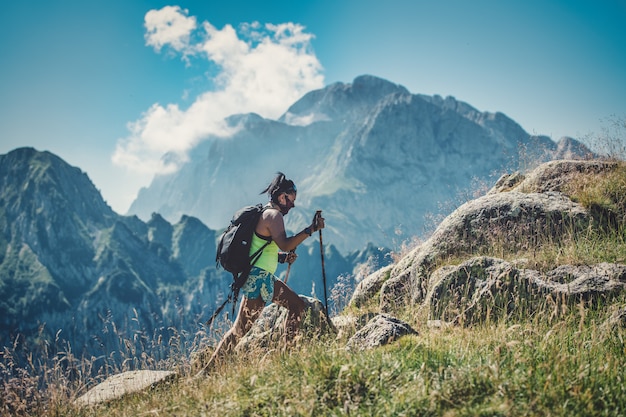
x=260 y=283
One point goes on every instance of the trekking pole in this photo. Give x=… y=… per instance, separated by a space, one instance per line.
x=319 y=214
x=287 y=273
x=288 y=268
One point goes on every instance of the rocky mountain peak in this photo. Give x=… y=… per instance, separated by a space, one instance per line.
x=570 y=148
x=374 y=157
x=64 y=250
x=26 y=173
x=339 y=100
x=160 y=230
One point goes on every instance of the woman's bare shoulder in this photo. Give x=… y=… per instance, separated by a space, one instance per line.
x=270 y=214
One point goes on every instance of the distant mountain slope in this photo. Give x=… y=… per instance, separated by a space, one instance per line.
x=376 y=158
x=69 y=263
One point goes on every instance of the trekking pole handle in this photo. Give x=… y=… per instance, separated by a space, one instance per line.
x=316 y=219
x=288 y=266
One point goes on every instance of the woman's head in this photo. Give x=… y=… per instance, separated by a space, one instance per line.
x=282 y=192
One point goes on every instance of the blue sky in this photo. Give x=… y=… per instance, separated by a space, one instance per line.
x=111 y=85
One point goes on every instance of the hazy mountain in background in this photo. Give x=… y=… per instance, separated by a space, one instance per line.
x=374 y=157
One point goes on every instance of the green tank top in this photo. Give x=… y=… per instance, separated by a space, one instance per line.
x=269 y=257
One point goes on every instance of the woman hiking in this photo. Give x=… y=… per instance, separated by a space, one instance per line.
x=262 y=286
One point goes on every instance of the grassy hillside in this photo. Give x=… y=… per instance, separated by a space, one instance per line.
x=554 y=363
x=559 y=359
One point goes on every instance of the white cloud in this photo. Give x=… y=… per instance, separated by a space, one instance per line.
x=169 y=26
x=262 y=69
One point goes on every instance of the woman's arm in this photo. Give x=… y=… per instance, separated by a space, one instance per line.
x=275 y=227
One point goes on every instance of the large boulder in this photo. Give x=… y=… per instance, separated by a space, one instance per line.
x=512 y=220
x=485 y=287
x=516 y=215
x=551 y=176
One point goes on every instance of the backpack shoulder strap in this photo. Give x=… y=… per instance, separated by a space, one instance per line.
x=256 y=255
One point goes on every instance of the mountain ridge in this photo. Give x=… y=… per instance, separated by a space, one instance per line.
x=374 y=157
x=68 y=258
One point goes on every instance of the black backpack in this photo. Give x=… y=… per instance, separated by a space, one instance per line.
x=233 y=251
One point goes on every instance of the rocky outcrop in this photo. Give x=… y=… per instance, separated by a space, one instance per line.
x=482 y=288
x=551 y=176
x=517 y=214
x=513 y=220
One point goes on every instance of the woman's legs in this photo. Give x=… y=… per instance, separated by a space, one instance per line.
x=286 y=297
x=249 y=311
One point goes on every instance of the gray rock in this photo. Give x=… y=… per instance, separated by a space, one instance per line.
x=370 y=285
x=515 y=215
x=485 y=287
x=555 y=175
x=510 y=219
x=125 y=383
x=381 y=330
x=347 y=324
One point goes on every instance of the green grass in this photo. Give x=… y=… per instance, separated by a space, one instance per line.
x=571 y=366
